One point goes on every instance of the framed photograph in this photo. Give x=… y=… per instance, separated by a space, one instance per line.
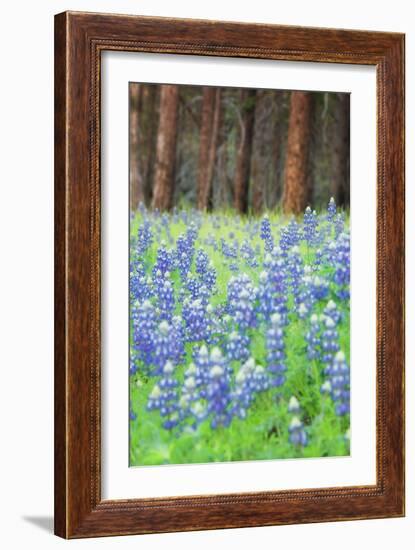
x=229 y=275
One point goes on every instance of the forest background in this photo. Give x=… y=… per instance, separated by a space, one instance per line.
x=252 y=150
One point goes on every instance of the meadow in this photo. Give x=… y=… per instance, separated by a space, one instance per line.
x=239 y=336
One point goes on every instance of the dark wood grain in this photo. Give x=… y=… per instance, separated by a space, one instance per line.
x=79 y=40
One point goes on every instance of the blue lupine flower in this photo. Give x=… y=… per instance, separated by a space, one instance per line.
x=193 y=285
x=298 y=436
x=273 y=287
x=202 y=262
x=313 y=338
x=237 y=346
x=144 y=321
x=249 y=381
x=185 y=250
x=329 y=340
x=276 y=350
x=331 y=210
x=248 y=254
x=319 y=287
x=310 y=224
x=229 y=251
x=339 y=225
x=342 y=266
x=209 y=278
x=331 y=310
x=165 y=345
x=338 y=383
x=201 y=361
x=166 y=301
x=241 y=301
x=290 y=236
x=218 y=390
x=295 y=271
x=164 y=262
x=145 y=237
x=266 y=234
x=141 y=287
x=163 y=397
x=195 y=319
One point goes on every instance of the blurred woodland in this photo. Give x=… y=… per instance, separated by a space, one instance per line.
x=212 y=148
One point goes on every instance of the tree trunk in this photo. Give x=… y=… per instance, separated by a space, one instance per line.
x=136 y=176
x=243 y=156
x=205 y=186
x=208 y=102
x=340 y=177
x=295 y=194
x=261 y=150
x=166 y=147
x=280 y=126
x=150 y=104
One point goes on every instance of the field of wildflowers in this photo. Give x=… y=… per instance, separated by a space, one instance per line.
x=239 y=336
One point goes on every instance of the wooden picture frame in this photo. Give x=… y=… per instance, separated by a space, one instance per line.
x=79 y=40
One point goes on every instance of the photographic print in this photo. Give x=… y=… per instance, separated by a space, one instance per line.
x=239 y=274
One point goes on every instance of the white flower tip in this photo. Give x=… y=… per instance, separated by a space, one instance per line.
x=155 y=392
x=203 y=350
x=216 y=371
x=293 y=404
x=191 y=369
x=340 y=356
x=275 y=318
x=295 y=423
x=190 y=383
x=249 y=364
x=216 y=354
x=164 y=327
x=259 y=369
x=330 y=323
x=326 y=387
x=168 y=367
x=240 y=377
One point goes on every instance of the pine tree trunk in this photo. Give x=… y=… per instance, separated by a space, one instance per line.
x=204 y=147
x=136 y=176
x=166 y=147
x=150 y=104
x=261 y=150
x=280 y=125
x=340 y=181
x=295 y=194
x=243 y=157
x=223 y=193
